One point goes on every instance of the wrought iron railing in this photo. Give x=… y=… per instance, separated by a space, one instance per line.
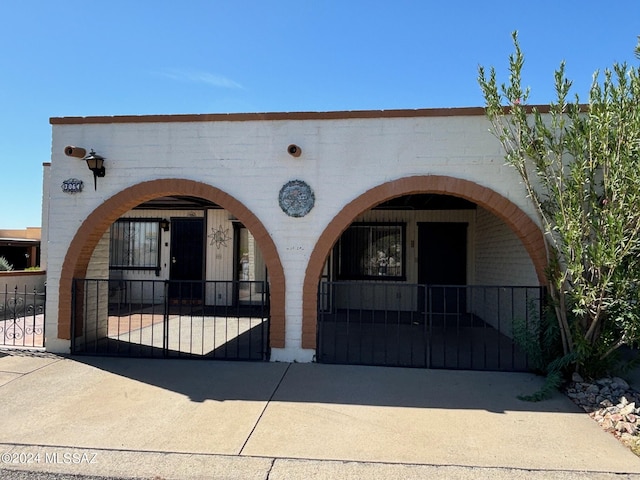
x=430 y=326
x=156 y=318
x=22 y=317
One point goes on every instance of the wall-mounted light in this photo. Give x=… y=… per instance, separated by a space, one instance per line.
x=164 y=224
x=95 y=163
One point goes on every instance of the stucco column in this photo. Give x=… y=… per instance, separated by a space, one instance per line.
x=297 y=250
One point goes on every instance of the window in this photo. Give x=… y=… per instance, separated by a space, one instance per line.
x=372 y=251
x=134 y=245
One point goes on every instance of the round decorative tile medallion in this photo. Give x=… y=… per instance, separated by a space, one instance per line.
x=296 y=198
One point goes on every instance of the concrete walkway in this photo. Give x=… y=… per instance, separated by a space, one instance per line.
x=182 y=419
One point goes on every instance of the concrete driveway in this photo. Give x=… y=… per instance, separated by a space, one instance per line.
x=203 y=419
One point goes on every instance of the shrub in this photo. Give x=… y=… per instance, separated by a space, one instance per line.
x=5 y=266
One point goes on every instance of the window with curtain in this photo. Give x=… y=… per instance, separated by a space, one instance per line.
x=135 y=244
x=372 y=251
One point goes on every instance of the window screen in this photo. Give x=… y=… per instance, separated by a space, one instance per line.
x=134 y=244
x=372 y=251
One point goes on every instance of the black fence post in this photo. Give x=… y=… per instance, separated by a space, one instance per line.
x=73 y=317
x=165 y=321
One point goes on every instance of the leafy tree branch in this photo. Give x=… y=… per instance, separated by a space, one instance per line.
x=580 y=164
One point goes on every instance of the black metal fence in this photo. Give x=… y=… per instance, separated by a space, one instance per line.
x=176 y=319
x=22 y=317
x=429 y=326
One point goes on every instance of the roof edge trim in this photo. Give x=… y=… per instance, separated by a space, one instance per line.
x=273 y=116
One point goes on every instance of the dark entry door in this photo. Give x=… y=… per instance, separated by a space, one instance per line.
x=442 y=260
x=187 y=257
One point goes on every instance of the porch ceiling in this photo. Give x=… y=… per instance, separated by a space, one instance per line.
x=426 y=201
x=181 y=202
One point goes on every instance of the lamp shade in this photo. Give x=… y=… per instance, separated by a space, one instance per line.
x=95 y=162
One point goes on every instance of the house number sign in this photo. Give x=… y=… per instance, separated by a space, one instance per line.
x=72 y=185
x=296 y=198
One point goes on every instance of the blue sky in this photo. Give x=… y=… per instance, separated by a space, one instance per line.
x=81 y=58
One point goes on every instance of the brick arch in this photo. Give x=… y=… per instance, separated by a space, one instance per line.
x=92 y=229
x=527 y=231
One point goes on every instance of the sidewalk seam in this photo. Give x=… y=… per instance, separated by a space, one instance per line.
x=273 y=462
x=22 y=375
x=264 y=409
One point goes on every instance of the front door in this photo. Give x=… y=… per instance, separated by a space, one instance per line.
x=187 y=259
x=442 y=260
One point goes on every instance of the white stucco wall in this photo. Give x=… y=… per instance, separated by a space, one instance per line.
x=341 y=159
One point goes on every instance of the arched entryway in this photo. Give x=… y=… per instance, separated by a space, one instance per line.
x=92 y=230
x=510 y=218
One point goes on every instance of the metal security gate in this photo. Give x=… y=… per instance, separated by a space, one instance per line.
x=226 y=320
x=22 y=318
x=428 y=326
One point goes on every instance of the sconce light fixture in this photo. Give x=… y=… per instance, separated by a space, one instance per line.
x=164 y=225
x=95 y=163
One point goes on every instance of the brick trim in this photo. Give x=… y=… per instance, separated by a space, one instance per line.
x=90 y=232
x=528 y=232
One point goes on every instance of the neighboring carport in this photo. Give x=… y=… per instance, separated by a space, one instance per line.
x=20 y=253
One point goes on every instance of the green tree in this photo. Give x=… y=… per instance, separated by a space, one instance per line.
x=580 y=165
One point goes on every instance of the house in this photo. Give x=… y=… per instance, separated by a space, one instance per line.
x=376 y=237
x=21 y=248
